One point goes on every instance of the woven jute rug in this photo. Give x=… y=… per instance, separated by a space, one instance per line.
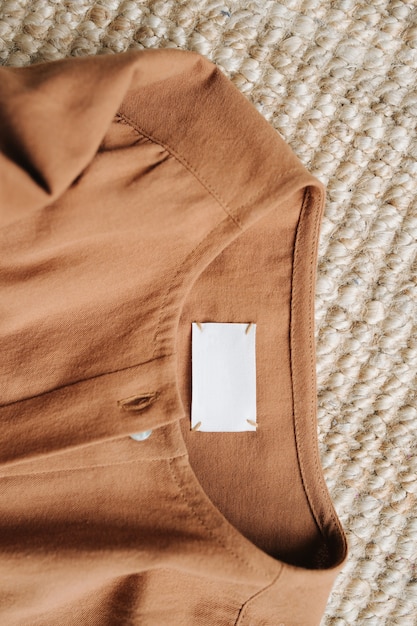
x=338 y=81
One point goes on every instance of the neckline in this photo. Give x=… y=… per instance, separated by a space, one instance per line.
x=303 y=384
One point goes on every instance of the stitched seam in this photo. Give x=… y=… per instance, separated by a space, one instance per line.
x=86 y=467
x=184 y=162
x=83 y=380
x=244 y=608
x=317 y=463
x=296 y=422
x=300 y=450
x=230 y=212
x=195 y=513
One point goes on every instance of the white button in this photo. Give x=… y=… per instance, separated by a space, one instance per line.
x=141 y=436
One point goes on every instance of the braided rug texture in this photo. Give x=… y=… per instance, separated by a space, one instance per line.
x=338 y=81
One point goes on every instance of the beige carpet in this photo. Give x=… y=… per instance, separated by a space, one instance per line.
x=338 y=81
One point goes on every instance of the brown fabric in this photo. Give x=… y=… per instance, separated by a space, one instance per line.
x=141 y=192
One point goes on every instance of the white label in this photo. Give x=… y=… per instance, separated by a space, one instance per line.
x=223 y=397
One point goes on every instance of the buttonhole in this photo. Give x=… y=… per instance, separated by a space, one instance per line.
x=138 y=403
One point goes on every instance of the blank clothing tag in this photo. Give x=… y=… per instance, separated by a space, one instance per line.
x=223 y=395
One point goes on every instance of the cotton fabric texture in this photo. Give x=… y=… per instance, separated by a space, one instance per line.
x=141 y=192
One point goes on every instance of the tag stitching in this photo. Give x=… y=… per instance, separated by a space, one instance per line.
x=203 y=353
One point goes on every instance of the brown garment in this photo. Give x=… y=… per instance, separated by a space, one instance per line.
x=141 y=192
